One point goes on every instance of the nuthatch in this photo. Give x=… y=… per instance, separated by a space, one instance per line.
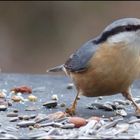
x=107 y=64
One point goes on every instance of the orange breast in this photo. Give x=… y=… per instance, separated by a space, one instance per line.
x=111 y=70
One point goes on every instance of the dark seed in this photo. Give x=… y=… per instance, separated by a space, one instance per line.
x=50 y=104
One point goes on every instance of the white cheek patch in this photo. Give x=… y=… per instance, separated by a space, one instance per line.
x=126 y=37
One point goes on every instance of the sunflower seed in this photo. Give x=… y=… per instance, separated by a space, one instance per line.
x=26 y=123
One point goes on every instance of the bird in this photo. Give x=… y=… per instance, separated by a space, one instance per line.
x=107 y=64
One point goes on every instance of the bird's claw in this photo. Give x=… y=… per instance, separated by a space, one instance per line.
x=70 y=111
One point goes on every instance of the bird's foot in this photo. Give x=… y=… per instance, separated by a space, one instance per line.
x=70 y=111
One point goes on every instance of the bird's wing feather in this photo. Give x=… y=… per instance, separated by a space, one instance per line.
x=78 y=61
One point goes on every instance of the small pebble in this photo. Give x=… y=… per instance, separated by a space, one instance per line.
x=3 y=107
x=54 y=97
x=31 y=127
x=62 y=105
x=50 y=104
x=100 y=97
x=15 y=111
x=77 y=121
x=26 y=117
x=16 y=98
x=70 y=86
x=32 y=98
x=2 y=95
x=12 y=114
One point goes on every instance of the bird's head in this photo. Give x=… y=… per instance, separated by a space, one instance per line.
x=126 y=30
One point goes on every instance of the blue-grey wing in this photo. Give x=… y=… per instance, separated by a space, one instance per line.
x=78 y=61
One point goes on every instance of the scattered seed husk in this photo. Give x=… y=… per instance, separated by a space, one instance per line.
x=41 y=117
x=110 y=124
x=123 y=127
x=26 y=123
x=90 y=125
x=13 y=119
x=134 y=121
x=68 y=126
x=47 y=124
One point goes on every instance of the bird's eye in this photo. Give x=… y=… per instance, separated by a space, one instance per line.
x=128 y=28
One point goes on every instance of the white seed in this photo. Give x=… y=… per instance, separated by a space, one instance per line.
x=32 y=98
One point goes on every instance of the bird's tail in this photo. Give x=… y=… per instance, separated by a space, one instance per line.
x=56 y=69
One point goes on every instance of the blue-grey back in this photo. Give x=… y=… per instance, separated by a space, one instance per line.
x=78 y=61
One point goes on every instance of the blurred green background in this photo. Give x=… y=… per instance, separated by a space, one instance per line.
x=36 y=35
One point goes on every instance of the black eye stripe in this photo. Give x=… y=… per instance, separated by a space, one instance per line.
x=116 y=30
